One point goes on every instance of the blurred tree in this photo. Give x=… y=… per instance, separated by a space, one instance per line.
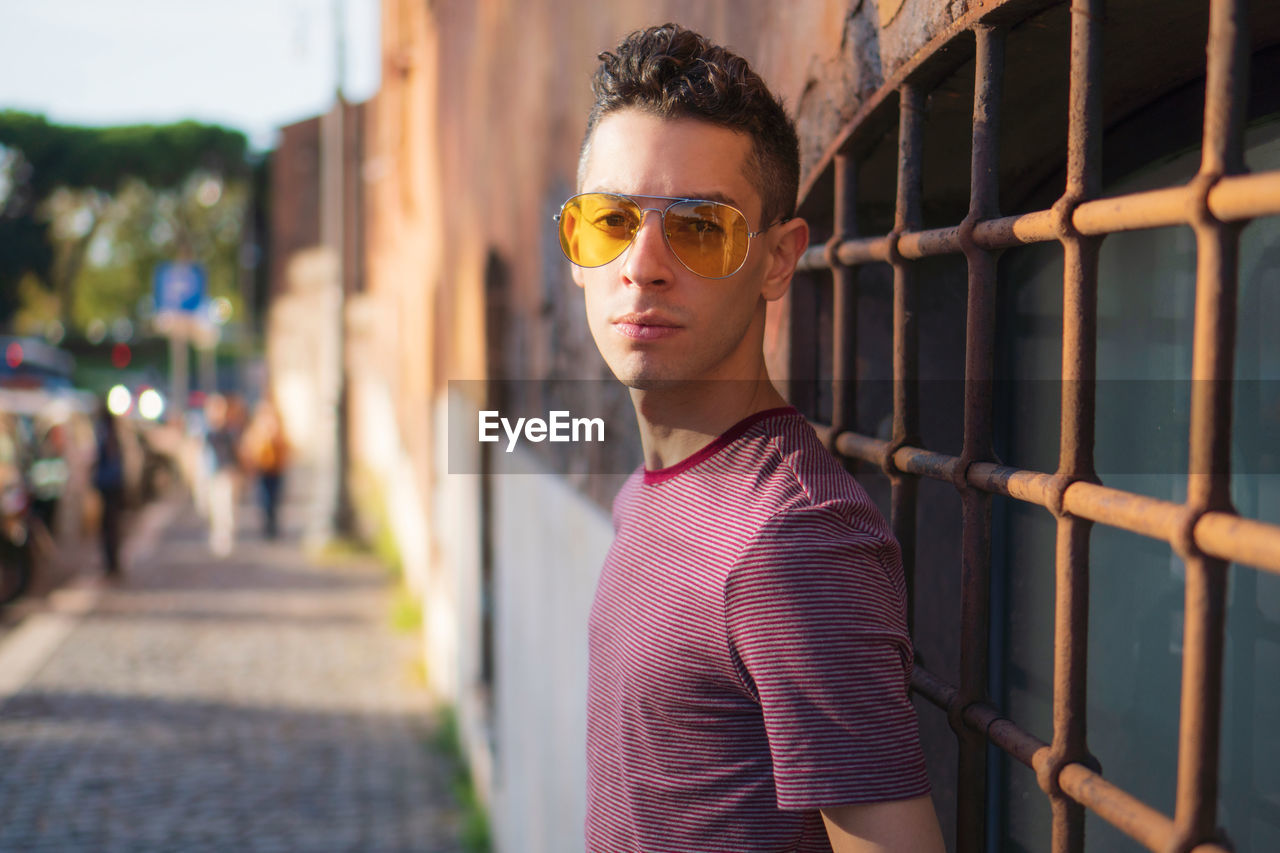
x=101 y=206
x=143 y=226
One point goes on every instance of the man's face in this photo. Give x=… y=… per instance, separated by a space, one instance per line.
x=652 y=319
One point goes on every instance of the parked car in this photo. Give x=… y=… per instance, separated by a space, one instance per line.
x=15 y=511
x=45 y=454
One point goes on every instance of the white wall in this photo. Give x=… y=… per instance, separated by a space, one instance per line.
x=526 y=744
x=551 y=543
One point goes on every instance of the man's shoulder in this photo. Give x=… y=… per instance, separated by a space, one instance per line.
x=814 y=505
x=803 y=474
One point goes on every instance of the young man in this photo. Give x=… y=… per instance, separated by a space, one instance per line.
x=749 y=659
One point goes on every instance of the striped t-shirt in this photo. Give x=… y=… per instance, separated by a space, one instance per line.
x=749 y=658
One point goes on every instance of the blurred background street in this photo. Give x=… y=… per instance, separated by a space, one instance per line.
x=261 y=702
x=274 y=257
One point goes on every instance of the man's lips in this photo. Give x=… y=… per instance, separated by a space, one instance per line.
x=645 y=326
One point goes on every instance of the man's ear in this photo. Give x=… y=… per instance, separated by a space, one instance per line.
x=577 y=275
x=788 y=244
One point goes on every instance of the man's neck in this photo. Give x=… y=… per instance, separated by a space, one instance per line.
x=679 y=419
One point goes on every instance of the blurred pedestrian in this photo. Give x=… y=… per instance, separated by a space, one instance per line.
x=265 y=453
x=222 y=437
x=197 y=457
x=108 y=479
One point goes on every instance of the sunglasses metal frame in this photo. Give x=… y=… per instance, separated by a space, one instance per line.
x=672 y=201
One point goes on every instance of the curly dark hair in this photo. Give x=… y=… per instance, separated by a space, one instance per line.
x=674 y=72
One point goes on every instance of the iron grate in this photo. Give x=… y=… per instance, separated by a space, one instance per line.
x=1205 y=530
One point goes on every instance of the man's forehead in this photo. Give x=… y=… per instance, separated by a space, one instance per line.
x=638 y=153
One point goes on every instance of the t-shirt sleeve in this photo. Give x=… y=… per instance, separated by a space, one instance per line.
x=815 y=611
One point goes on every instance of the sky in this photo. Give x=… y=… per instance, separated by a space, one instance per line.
x=254 y=65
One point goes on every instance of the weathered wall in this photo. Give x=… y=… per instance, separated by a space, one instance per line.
x=301 y=320
x=391 y=321
x=295 y=197
x=472 y=146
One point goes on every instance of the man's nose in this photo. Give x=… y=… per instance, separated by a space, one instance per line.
x=648 y=259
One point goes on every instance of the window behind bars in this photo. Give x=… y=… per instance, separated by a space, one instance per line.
x=1077 y=439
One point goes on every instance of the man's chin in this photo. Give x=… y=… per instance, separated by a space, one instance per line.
x=644 y=383
x=659 y=383
x=653 y=375
x=641 y=376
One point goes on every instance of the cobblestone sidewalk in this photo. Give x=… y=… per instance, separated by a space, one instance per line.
x=257 y=703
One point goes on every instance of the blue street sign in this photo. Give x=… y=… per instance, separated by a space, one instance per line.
x=179 y=287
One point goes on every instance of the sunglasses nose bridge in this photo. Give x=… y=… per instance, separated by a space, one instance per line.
x=643 y=217
x=644 y=212
x=641 y=247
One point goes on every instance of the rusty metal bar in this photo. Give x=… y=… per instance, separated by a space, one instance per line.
x=1075 y=458
x=906 y=410
x=1158 y=519
x=844 y=299
x=1240 y=540
x=1238 y=198
x=858 y=252
x=1217 y=534
x=1152 y=209
x=1212 y=374
x=1124 y=811
x=980 y=717
x=1235 y=198
x=1005 y=734
x=1084 y=785
x=932 y=688
x=975 y=549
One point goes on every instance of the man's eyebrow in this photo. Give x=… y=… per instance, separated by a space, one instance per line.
x=713 y=195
